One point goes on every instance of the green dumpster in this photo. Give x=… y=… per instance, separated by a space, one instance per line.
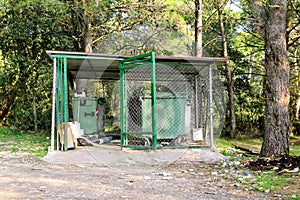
x=85 y=112
x=170 y=111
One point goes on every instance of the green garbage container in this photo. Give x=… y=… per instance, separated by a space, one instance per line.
x=85 y=112
x=170 y=114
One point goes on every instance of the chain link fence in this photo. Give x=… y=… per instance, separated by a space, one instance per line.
x=164 y=103
x=189 y=106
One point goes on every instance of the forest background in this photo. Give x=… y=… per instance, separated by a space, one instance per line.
x=130 y=27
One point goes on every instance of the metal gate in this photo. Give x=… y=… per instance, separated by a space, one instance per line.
x=137 y=76
x=168 y=104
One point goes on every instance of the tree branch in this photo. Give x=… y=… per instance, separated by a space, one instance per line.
x=293 y=41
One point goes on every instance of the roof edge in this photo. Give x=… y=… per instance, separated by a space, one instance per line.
x=160 y=58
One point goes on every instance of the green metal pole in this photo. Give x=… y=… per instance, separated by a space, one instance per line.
x=125 y=109
x=122 y=127
x=65 y=104
x=153 y=100
x=58 y=91
x=130 y=63
x=65 y=91
x=138 y=57
x=59 y=99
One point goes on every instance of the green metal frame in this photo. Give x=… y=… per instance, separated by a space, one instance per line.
x=61 y=99
x=60 y=96
x=140 y=61
x=130 y=63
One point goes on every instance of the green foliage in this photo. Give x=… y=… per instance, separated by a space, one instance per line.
x=18 y=142
x=162 y=28
x=94 y=21
x=27 y=29
x=245 y=54
x=294 y=59
x=252 y=42
x=161 y=40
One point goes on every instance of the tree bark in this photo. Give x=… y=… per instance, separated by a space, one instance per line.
x=296 y=73
x=228 y=74
x=272 y=26
x=198 y=28
x=81 y=84
x=198 y=52
x=88 y=38
x=34 y=112
x=6 y=109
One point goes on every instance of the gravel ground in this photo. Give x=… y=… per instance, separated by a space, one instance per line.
x=108 y=173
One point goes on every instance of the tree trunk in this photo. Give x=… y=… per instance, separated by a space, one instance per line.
x=88 y=39
x=34 y=112
x=297 y=107
x=198 y=28
x=276 y=138
x=81 y=84
x=87 y=29
x=6 y=109
x=250 y=67
x=228 y=75
x=198 y=52
x=272 y=27
x=297 y=84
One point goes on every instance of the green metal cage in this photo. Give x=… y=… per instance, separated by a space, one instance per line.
x=168 y=105
x=165 y=102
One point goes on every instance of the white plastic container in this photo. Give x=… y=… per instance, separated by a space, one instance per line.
x=198 y=134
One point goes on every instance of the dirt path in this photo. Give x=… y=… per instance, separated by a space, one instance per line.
x=32 y=178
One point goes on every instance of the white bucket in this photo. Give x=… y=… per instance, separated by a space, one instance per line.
x=197 y=134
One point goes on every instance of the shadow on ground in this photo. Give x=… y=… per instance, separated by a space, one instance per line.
x=114 y=156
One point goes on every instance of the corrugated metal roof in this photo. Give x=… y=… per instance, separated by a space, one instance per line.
x=105 y=66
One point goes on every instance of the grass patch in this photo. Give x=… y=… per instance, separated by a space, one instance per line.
x=271 y=182
x=295 y=146
x=226 y=146
x=295 y=198
x=239 y=140
x=19 y=142
x=268 y=182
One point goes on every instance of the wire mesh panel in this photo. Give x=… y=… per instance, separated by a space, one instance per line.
x=173 y=95
x=137 y=79
x=138 y=113
x=171 y=105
